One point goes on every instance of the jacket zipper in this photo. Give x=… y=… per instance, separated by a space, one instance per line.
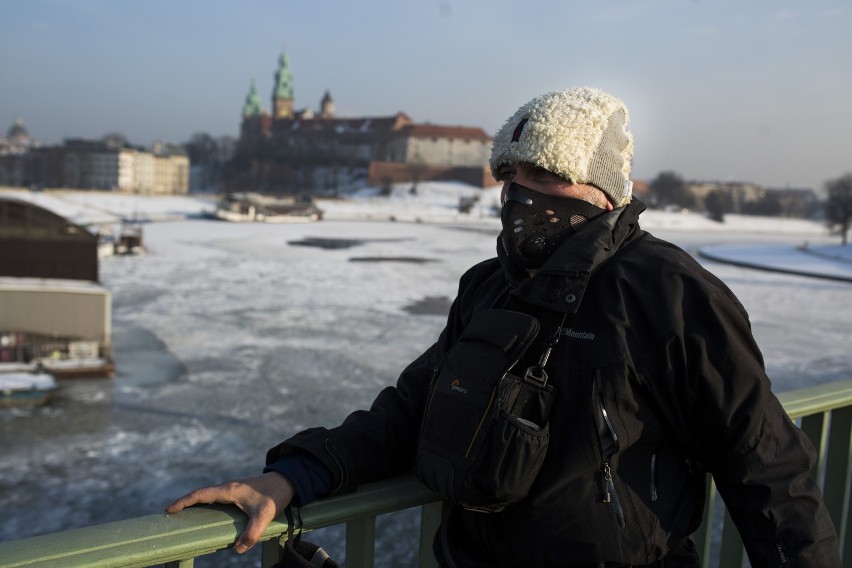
x=608 y=494
x=653 y=478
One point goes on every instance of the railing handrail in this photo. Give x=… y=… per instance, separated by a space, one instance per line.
x=161 y=538
x=816 y=398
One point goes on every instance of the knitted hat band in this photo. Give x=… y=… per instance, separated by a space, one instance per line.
x=579 y=134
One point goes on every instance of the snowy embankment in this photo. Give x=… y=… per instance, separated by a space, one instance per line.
x=438 y=202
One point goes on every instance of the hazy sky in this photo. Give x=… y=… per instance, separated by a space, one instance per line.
x=757 y=90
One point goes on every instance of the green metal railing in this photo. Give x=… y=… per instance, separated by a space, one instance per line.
x=824 y=413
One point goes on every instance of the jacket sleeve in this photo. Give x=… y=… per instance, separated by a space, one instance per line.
x=380 y=442
x=761 y=462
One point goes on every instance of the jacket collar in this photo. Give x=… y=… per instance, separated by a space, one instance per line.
x=561 y=281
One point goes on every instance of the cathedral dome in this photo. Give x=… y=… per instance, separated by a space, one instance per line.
x=17 y=133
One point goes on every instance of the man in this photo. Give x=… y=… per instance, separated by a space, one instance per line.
x=651 y=372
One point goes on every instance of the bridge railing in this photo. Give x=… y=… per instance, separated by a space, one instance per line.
x=824 y=412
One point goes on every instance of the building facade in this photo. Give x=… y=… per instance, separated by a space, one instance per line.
x=292 y=150
x=94 y=164
x=54 y=312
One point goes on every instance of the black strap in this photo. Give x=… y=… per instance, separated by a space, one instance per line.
x=536 y=372
x=288 y=512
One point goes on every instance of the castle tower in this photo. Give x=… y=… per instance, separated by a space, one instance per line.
x=255 y=118
x=252 y=105
x=282 y=91
x=327 y=106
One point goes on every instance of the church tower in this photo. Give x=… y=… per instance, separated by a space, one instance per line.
x=282 y=91
x=327 y=106
x=252 y=105
x=255 y=119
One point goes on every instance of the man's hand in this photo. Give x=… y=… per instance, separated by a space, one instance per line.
x=262 y=498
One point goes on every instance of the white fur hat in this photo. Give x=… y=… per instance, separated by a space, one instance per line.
x=580 y=134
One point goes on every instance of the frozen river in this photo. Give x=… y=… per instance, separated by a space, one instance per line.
x=228 y=338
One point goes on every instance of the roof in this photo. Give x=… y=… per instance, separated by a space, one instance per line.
x=399 y=123
x=363 y=125
x=35 y=284
x=439 y=131
x=24 y=219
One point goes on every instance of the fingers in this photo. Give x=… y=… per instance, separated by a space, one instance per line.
x=181 y=503
x=256 y=526
x=261 y=498
x=203 y=495
x=277 y=492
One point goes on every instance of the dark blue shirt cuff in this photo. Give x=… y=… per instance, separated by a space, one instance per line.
x=310 y=478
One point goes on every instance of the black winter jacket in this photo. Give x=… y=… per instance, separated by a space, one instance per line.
x=658 y=380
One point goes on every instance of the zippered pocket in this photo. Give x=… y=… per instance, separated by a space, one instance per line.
x=462 y=421
x=607 y=441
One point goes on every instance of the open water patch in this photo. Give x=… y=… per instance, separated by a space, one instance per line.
x=328 y=243
x=409 y=259
x=429 y=306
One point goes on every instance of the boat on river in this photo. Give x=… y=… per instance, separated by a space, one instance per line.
x=257 y=208
x=26 y=388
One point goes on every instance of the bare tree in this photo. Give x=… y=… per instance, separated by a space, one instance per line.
x=838 y=208
x=668 y=188
x=416 y=169
x=718 y=203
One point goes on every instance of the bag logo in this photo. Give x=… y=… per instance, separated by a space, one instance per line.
x=456 y=386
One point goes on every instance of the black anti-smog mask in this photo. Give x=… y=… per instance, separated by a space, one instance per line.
x=534 y=223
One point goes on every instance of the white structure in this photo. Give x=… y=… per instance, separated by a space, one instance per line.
x=97 y=165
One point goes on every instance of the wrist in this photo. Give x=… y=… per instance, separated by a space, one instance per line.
x=279 y=489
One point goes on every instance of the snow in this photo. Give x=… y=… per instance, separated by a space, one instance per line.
x=228 y=337
x=25 y=381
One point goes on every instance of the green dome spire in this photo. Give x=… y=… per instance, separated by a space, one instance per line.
x=252 y=105
x=283 y=88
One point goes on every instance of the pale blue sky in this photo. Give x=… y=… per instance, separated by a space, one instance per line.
x=730 y=90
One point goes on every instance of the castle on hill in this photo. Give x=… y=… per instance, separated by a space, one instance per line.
x=306 y=151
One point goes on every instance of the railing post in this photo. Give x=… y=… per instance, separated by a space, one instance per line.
x=430 y=520
x=846 y=536
x=704 y=535
x=270 y=551
x=815 y=427
x=360 y=542
x=838 y=474
x=732 y=552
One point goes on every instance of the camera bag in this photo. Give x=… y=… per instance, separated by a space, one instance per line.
x=485 y=430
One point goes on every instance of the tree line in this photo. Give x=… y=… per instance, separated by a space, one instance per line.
x=670 y=190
